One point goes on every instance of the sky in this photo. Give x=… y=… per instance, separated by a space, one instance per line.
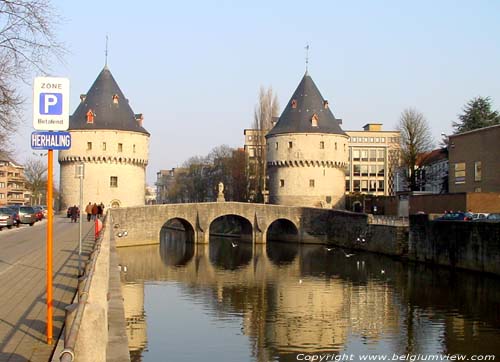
x=194 y=68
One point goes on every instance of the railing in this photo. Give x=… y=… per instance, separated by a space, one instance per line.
x=388 y=220
x=68 y=353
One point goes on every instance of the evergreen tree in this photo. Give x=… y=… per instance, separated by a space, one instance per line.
x=477 y=114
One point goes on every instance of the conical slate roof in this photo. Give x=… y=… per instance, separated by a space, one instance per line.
x=107 y=113
x=306 y=103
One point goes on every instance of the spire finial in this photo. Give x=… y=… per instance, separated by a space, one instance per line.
x=307 y=57
x=106 y=52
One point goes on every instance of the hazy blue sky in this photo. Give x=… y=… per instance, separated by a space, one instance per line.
x=194 y=68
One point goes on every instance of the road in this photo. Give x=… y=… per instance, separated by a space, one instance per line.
x=23 y=285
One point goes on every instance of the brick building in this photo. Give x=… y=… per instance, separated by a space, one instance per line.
x=12 y=183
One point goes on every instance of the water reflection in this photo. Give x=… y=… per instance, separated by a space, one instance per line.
x=271 y=302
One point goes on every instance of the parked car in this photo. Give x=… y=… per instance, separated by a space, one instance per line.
x=495 y=217
x=15 y=214
x=38 y=212
x=455 y=216
x=26 y=214
x=6 y=218
x=44 y=209
x=479 y=216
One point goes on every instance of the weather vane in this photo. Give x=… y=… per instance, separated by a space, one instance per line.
x=106 y=52
x=307 y=57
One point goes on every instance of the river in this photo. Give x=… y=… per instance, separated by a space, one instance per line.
x=231 y=301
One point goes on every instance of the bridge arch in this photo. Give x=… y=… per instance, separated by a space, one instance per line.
x=231 y=225
x=282 y=229
x=177 y=229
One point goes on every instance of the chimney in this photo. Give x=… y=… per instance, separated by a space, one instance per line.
x=83 y=97
x=139 y=118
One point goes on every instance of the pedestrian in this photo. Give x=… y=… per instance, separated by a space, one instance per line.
x=88 y=210
x=94 y=211
x=74 y=213
x=99 y=211
x=102 y=208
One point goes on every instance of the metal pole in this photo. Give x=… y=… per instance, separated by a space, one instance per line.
x=50 y=213
x=81 y=226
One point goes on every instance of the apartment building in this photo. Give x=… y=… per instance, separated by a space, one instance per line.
x=374 y=157
x=12 y=183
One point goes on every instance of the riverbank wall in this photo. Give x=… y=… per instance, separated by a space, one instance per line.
x=459 y=244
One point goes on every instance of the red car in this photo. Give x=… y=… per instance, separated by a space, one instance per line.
x=38 y=213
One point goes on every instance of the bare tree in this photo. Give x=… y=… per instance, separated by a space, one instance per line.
x=265 y=112
x=416 y=139
x=27 y=44
x=35 y=172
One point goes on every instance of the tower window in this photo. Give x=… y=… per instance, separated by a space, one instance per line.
x=90 y=116
x=113 y=181
x=311 y=183
x=133 y=148
x=294 y=103
x=335 y=146
x=120 y=147
x=104 y=146
x=115 y=98
x=276 y=147
x=290 y=144
x=314 y=120
x=89 y=146
x=282 y=183
x=325 y=104
x=322 y=145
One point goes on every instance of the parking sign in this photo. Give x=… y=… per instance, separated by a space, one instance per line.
x=51 y=104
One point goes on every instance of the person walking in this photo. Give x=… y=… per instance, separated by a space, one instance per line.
x=74 y=213
x=99 y=211
x=88 y=210
x=94 y=211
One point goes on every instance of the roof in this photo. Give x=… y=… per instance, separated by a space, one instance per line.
x=475 y=131
x=428 y=158
x=107 y=114
x=305 y=103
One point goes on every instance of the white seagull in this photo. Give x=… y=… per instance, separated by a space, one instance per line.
x=348 y=255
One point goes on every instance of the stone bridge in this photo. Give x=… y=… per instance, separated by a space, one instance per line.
x=143 y=224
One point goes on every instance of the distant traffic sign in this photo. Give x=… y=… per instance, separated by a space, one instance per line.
x=50 y=140
x=51 y=104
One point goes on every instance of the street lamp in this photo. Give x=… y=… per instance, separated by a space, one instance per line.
x=80 y=173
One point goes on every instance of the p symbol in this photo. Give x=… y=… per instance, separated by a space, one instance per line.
x=51 y=103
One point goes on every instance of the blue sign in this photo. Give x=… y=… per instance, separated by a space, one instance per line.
x=51 y=103
x=50 y=140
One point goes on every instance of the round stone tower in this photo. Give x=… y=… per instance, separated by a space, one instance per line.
x=108 y=138
x=307 y=152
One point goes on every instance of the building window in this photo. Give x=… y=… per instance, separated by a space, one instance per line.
x=356 y=184
x=314 y=120
x=290 y=144
x=104 y=146
x=355 y=155
x=380 y=170
x=371 y=139
x=373 y=185
x=364 y=170
x=347 y=186
x=90 y=116
x=335 y=146
x=373 y=170
x=294 y=103
x=381 y=185
x=357 y=170
x=373 y=155
x=2 y=185
x=115 y=98
x=276 y=146
x=476 y=189
x=365 y=139
x=364 y=155
x=113 y=181
x=282 y=183
x=322 y=145
x=380 y=155
x=354 y=140
x=311 y=183
x=133 y=148
x=89 y=146
x=382 y=139
x=120 y=147
x=2 y=196
x=460 y=173
x=477 y=171
x=377 y=140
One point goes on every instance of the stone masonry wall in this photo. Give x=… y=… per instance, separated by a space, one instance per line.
x=469 y=245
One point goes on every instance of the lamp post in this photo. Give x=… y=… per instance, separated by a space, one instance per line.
x=80 y=173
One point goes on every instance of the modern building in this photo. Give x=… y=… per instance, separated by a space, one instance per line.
x=432 y=171
x=109 y=140
x=255 y=164
x=474 y=162
x=12 y=183
x=373 y=161
x=307 y=152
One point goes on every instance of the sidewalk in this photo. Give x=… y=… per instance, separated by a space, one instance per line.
x=23 y=288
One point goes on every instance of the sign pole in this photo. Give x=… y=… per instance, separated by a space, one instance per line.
x=50 y=213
